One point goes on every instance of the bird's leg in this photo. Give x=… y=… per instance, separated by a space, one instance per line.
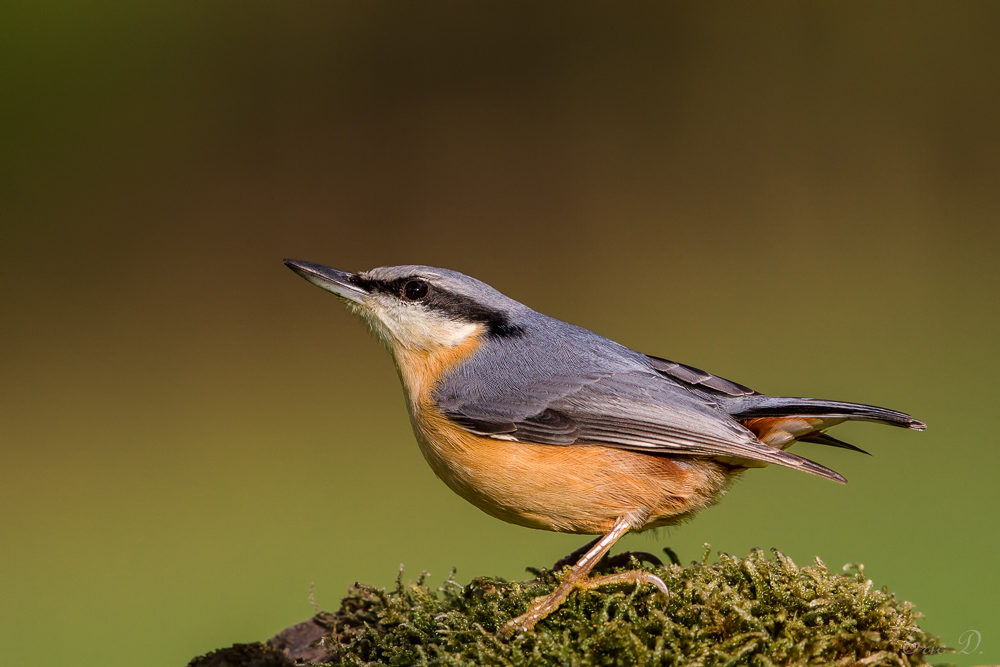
x=575 y=556
x=577 y=578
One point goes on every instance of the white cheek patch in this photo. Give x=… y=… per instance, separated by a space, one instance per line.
x=415 y=327
x=443 y=333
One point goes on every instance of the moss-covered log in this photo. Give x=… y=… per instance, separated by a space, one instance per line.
x=738 y=611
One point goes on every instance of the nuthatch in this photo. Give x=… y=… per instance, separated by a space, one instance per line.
x=547 y=425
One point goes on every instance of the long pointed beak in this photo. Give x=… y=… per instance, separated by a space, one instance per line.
x=332 y=280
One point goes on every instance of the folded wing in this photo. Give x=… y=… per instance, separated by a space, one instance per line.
x=639 y=410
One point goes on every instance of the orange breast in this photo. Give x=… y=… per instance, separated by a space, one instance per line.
x=569 y=489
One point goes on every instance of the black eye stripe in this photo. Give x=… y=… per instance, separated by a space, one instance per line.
x=462 y=307
x=366 y=284
x=457 y=306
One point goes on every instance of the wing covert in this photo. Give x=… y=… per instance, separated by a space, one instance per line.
x=699 y=379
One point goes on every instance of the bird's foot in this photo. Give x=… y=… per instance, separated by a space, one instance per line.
x=546 y=604
x=636 y=577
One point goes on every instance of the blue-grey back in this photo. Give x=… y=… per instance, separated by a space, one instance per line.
x=513 y=375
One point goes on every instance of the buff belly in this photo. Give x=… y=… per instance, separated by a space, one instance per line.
x=569 y=489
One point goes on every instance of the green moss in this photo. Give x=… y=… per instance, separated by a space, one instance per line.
x=738 y=611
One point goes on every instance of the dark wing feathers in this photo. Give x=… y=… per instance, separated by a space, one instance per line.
x=637 y=409
x=696 y=377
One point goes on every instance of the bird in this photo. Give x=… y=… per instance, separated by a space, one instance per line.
x=548 y=425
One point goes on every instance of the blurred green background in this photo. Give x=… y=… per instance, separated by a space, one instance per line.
x=802 y=197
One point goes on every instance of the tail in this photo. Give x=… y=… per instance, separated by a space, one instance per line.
x=782 y=406
x=781 y=420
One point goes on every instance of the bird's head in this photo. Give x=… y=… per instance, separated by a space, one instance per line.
x=419 y=308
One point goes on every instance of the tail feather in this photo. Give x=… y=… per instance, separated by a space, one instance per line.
x=781 y=406
x=824 y=439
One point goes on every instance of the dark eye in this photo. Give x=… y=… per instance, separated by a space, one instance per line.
x=414 y=290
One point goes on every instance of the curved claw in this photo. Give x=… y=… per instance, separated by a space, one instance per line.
x=636 y=577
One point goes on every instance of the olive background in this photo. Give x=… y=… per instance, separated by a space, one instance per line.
x=802 y=197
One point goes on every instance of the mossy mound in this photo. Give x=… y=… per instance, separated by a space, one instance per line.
x=738 y=611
